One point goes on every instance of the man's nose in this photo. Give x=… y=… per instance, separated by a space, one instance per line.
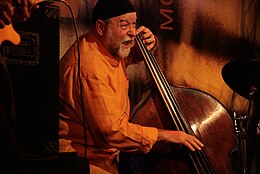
x=132 y=31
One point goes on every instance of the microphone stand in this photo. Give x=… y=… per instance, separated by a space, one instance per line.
x=241 y=126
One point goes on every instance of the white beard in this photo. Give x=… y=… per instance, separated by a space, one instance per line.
x=123 y=52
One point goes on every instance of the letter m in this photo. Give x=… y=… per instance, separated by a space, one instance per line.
x=165 y=13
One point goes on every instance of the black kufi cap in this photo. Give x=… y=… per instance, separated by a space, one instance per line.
x=105 y=9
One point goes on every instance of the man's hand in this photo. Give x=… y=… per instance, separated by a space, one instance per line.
x=19 y=12
x=6 y=13
x=148 y=38
x=180 y=137
x=23 y=10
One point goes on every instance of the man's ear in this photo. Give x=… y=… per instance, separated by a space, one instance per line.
x=100 y=27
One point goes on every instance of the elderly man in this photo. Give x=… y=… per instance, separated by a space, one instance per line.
x=94 y=102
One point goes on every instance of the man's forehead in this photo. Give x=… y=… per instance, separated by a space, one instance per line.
x=125 y=17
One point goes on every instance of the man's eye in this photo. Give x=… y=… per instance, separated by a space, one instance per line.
x=124 y=25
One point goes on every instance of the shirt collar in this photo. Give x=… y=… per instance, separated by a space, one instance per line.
x=112 y=60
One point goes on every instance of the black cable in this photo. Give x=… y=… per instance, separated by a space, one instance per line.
x=79 y=76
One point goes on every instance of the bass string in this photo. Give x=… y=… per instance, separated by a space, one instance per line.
x=199 y=158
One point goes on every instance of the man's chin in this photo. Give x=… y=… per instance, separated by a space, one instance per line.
x=124 y=53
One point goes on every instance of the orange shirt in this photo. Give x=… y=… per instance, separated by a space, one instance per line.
x=106 y=103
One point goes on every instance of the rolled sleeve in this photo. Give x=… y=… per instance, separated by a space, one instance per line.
x=149 y=138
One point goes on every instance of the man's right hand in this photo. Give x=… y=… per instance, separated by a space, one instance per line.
x=19 y=13
x=180 y=137
x=6 y=13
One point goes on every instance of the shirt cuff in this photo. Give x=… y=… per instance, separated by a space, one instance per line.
x=150 y=137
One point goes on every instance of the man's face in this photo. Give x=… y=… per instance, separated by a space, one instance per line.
x=121 y=31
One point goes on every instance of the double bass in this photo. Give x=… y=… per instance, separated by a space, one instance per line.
x=177 y=108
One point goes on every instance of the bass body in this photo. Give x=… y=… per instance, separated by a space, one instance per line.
x=209 y=121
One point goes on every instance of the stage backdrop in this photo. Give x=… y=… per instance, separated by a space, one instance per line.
x=196 y=39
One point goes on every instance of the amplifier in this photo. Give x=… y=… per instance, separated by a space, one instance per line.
x=34 y=68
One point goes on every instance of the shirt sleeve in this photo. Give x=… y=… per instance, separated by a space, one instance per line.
x=108 y=123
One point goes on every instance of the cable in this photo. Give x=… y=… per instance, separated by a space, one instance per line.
x=79 y=76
